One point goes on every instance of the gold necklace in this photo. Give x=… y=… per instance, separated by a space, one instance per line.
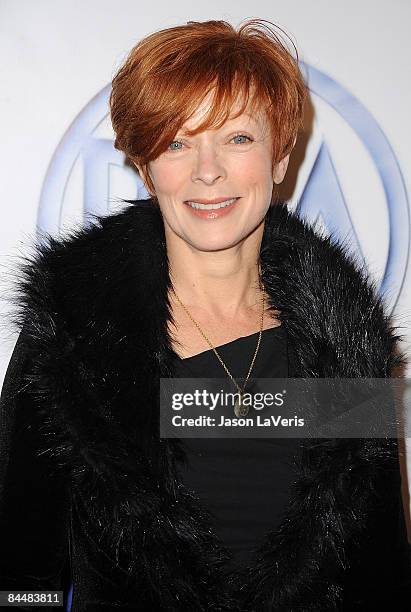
x=240 y=409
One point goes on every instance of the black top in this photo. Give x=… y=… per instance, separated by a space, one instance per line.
x=245 y=483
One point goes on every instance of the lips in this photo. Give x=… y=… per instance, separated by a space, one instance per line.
x=210 y=204
x=210 y=210
x=212 y=200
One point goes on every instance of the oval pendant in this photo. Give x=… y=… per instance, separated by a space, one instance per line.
x=240 y=409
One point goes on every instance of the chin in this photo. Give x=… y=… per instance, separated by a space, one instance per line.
x=215 y=245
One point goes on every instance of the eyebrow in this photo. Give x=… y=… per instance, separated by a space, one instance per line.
x=184 y=132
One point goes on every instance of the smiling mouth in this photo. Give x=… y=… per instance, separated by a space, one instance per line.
x=200 y=206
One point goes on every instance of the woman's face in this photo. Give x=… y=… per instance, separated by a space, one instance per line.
x=231 y=165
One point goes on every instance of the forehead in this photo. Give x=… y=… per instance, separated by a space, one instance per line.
x=253 y=116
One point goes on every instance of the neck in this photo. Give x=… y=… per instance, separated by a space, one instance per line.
x=222 y=283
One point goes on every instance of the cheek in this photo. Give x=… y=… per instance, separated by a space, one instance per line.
x=165 y=178
x=255 y=172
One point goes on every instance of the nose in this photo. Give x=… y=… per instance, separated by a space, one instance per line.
x=208 y=166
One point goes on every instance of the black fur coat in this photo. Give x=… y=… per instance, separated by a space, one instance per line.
x=86 y=481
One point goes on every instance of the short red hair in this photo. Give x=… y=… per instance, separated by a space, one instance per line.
x=168 y=73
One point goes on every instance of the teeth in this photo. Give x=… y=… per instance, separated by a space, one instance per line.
x=211 y=206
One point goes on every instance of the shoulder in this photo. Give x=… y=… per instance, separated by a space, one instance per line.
x=332 y=304
x=61 y=277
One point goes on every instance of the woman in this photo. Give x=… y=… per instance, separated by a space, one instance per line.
x=206 y=278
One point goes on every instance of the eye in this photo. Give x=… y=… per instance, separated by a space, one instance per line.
x=173 y=146
x=243 y=136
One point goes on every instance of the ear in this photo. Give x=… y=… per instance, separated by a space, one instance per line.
x=280 y=169
x=138 y=168
x=143 y=175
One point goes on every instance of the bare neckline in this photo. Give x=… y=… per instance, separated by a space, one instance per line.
x=268 y=329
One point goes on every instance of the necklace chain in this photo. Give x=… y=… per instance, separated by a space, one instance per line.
x=240 y=409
